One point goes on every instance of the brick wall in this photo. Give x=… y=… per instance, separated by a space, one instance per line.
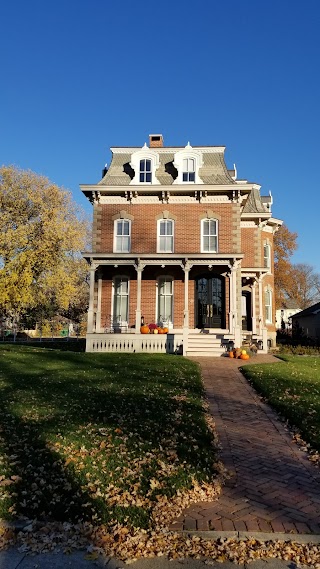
x=187 y=226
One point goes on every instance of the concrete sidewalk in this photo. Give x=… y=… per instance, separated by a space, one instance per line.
x=12 y=559
x=273 y=486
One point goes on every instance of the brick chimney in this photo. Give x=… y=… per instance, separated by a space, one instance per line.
x=155 y=140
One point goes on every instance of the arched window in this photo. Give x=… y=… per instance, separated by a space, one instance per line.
x=209 y=236
x=122 y=236
x=165 y=235
x=165 y=300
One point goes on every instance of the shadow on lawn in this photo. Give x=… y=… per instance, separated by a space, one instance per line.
x=46 y=394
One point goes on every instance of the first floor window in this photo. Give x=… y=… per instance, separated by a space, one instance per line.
x=268 y=306
x=121 y=300
x=122 y=236
x=165 y=300
x=165 y=236
x=188 y=172
x=209 y=236
x=145 y=171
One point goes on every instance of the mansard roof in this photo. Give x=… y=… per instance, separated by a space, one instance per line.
x=254 y=203
x=212 y=172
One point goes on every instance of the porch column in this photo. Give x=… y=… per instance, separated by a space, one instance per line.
x=98 y=315
x=260 y=304
x=91 y=320
x=186 y=268
x=254 y=312
x=139 y=268
x=235 y=327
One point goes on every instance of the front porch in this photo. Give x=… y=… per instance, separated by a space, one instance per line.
x=214 y=343
x=198 y=299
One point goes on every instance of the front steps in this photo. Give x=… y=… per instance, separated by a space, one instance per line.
x=204 y=344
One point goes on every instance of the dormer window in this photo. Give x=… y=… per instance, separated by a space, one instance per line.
x=188 y=174
x=145 y=171
x=188 y=163
x=144 y=164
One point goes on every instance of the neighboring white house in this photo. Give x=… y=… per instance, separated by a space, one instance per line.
x=284 y=314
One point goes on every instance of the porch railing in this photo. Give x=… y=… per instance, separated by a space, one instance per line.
x=135 y=343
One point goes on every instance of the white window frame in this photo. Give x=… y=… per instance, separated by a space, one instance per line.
x=123 y=324
x=144 y=171
x=189 y=170
x=268 y=305
x=116 y=235
x=203 y=221
x=145 y=153
x=168 y=322
x=267 y=256
x=165 y=250
x=188 y=153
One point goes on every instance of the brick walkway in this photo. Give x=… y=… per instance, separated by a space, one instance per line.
x=273 y=487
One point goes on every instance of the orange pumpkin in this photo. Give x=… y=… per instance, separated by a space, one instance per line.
x=161 y=331
x=165 y=330
x=244 y=356
x=144 y=329
x=231 y=354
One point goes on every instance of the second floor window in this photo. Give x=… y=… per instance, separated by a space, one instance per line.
x=122 y=236
x=209 y=236
x=188 y=174
x=267 y=256
x=145 y=171
x=165 y=236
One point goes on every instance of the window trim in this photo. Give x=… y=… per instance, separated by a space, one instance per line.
x=216 y=234
x=115 y=234
x=159 y=221
x=188 y=153
x=145 y=153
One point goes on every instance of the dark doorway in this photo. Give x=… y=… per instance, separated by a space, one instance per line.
x=246 y=311
x=210 y=302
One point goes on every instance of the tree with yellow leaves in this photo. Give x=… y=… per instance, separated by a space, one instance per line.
x=42 y=232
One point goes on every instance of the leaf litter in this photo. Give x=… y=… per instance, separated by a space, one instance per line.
x=131 y=483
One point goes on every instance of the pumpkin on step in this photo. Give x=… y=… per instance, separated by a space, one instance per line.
x=231 y=354
x=144 y=329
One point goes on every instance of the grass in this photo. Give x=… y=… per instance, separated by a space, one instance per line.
x=99 y=437
x=293 y=389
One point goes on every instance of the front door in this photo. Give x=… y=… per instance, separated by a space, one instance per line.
x=210 y=303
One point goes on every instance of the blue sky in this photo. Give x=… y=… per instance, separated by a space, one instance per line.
x=78 y=77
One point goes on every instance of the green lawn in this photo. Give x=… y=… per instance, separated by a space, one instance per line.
x=293 y=389
x=99 y=437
